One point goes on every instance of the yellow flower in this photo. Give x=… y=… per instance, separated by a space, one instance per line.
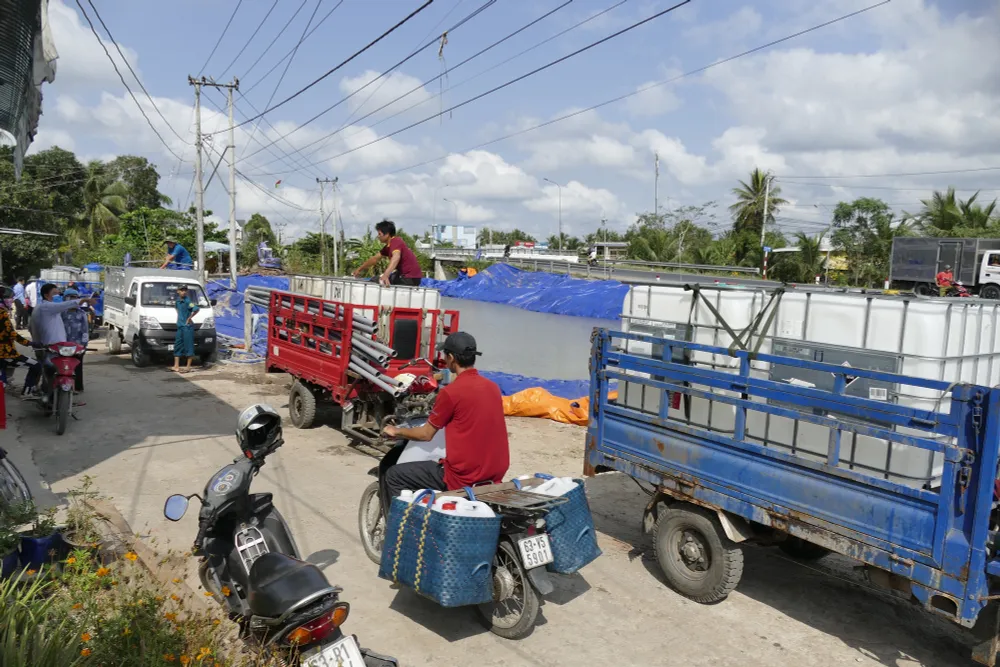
x=216 y=622
x=170 y=616
x=209 y=594
x=226 y=591
x=31 y=573
x=131 y=555
x=113 y=583
x=204 y=652
x=175 y=598
x=85 y=652
x=70 y=560
x=177 y=580
x=169 y=657
x=103 y=571
x=78 y=605
x=185 y=660
x=85 y=637
x=159 y=598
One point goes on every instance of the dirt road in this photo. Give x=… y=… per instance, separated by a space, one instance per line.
x=145 y=434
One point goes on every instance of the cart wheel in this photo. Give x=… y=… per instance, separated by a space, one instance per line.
x=371 y=523
x=301 y=406
x=798 y=548
x=514 y=609
x=696 y=557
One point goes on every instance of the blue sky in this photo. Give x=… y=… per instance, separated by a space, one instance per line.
x=911 y=86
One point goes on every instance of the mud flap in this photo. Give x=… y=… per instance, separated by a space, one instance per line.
x=988 y=624
x=539 y=578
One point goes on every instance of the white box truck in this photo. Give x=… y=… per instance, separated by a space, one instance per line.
x=139 y=311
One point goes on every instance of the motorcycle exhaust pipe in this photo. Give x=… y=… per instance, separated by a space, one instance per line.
x=374 y=379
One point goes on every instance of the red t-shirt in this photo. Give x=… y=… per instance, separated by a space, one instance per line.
x=470 y=410
x=408 y=266
x=945 y=278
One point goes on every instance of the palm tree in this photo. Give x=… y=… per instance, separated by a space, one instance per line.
x=944 y=214
x=104 y=200
x=748 y=211
x=975 y=216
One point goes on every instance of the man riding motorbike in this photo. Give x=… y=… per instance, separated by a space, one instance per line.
x=47 y=327
x=470 y=409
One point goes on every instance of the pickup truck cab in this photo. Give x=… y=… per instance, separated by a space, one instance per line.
x=139 y=311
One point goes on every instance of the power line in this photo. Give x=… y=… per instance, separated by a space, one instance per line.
x=256 y=185
x=431 y=43
x=219 y=41
x=273 y=40
x=638 y=91
x=250 y=39
x=851 y=186
x=122 y=78
x=516 y=79
x=357 y=53
x=899 y=174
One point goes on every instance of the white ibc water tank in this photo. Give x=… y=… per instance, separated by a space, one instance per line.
x=954 y=340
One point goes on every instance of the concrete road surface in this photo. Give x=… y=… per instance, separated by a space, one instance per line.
x=145 y=434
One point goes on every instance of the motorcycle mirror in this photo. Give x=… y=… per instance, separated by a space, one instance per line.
x=175 y=507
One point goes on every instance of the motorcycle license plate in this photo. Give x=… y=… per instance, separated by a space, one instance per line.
x=535 y=551
x=344 y=653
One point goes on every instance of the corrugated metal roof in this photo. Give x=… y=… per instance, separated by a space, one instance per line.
x=19 y=24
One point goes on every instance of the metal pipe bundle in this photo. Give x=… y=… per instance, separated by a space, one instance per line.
x=374 y=344
x=375 y=378
x=374 y=355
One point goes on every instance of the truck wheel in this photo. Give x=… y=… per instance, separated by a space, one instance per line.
x=209 y=357
x=139 y=356
x=990 y=292
x=799 y=549
x=696 y=557
x=114 y=341
x=923 y=289
x=301 y=406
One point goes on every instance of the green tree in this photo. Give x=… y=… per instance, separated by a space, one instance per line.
x=672 y=236
x=568 y=242
x=803 y=265
x=104 y=199
x=604 y=235
x=945 y=214
x=863 y=230
x=257 y=229
x=748 y=211
x=501 y=237
x=140 y=179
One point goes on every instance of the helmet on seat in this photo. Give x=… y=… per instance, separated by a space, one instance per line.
x=258 y=430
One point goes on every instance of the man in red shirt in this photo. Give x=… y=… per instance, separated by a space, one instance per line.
x=470 y=410
x=945 y=278
x=404 y=268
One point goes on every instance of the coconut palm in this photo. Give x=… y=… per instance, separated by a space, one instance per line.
x=104 y=200
x=944 y=214
x=748 y=211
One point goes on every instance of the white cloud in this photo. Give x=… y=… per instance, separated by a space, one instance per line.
x=582 y=206
x=395 y=91
x=484 y=175
x=82 y=63
x=738 y=26
x=653 y=100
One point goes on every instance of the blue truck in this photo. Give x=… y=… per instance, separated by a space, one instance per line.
x=716 y=490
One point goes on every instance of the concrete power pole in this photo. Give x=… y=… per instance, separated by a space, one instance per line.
x=199 y=205
x=656 y=183
x=763 y=222
x=322 y=223
x=232 y=184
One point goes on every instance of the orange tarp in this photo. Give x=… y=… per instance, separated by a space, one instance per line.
x=537 y=402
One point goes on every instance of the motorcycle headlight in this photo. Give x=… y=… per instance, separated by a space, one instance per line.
x=209 y=322
x=67 y=350
x=149 y=323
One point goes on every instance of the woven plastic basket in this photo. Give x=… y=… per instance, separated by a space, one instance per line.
x=570 y=527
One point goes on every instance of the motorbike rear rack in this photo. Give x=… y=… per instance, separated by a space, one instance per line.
x=513 y=501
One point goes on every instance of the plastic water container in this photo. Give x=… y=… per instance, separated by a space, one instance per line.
x=570 y=526
x=451 y=504
x=433 y=450
x=557 y=486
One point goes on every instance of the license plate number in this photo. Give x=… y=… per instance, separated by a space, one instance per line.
x=344 y=653
x=170 y=348
x=535 y=551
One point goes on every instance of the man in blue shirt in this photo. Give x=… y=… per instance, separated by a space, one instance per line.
x=21 y=314
x=177 y=257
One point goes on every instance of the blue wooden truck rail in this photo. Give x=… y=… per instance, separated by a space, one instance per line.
x=937 y=539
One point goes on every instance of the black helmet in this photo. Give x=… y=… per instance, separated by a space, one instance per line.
x=258 y=430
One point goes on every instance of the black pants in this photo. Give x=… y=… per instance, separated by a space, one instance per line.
x=396 y=279
x=20 y=315
x=78 y=374
x=27 y=316
x=413 y=476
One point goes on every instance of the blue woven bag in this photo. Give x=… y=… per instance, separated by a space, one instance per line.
x=441 y=556
x=570 y=527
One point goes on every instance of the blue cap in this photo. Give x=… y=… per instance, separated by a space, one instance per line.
x=69 y=291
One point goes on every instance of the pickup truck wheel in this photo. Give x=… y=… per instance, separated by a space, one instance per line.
x=139 y=357
x=799 y=549
x=301 y=406
x=990 y=292
x=114 y=342
x=696 y=557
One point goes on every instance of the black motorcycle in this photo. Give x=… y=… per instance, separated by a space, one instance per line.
x=519 y=576
x=250 y=563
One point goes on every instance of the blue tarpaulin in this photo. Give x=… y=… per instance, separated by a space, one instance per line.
x=229 y=307
x=538 y=291
x=510 y=383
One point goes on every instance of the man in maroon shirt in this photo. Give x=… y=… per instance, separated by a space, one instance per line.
x=470 y=410
x=404 y=268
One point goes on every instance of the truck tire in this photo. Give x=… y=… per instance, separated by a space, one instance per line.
x=301 y=406
x=139 y=356
x=925 y=289
x=990 y=291
x=114 y=341
x=800 y=549
x=696 y=557
x=209 y=358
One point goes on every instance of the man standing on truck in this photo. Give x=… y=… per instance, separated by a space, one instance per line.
x=177 y=257
x=470 y=410
x=404 y=268
x=945 y=279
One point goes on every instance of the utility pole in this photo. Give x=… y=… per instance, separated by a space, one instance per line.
x=199 y=206
x=322 y=222
x=763 y=222
x=200 y=201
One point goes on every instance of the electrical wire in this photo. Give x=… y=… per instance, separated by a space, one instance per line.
x=516 y=79
x=899 y=174
x=626 y=96
x=357 y=53
x=273 y=41
x=219 y=41
x=122 y=78
x=385 y=73
x=250 y=39
x=851 y=186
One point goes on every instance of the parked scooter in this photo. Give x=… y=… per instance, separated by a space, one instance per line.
x=517 y=585
x=59 y=381
x=250 y=563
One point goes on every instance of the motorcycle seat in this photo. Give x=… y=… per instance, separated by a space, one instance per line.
x=279 y=584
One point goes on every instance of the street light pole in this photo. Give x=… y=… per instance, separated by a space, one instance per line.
x=560 y=211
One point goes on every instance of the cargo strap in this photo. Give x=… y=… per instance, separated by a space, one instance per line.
x=420 y=543
x=742 y=340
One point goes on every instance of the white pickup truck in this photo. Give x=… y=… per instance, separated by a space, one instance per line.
x=139 y=312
